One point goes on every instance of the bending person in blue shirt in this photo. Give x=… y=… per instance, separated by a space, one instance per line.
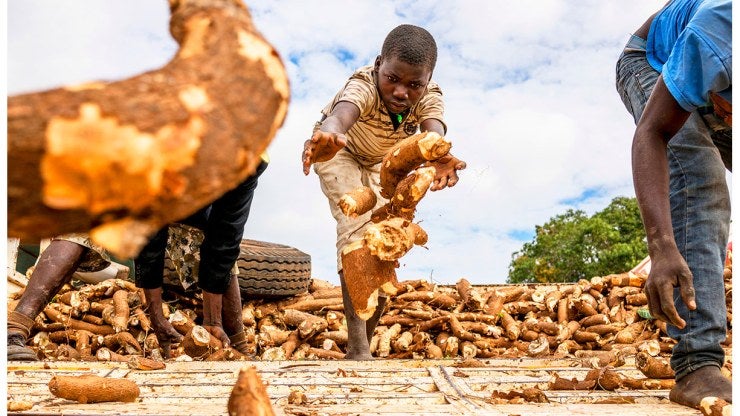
x=675 y=77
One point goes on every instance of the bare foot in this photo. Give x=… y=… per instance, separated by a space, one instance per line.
x=365 y=355
x=705 y=382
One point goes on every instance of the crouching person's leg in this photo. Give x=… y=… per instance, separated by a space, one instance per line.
x=232 y=318
x=55 y=267
x=148 y=267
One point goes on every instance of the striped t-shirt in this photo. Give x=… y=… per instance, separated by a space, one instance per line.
x=370 y=138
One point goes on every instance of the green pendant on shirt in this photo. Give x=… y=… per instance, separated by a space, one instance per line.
x=396 y=119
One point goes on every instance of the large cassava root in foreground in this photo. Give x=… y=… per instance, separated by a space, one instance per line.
x=89 y=388
x=124 y=158
x=249 y=396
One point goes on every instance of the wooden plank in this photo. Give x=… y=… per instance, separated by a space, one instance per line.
x=16 y=281
x=13 y=244
x=379 y=387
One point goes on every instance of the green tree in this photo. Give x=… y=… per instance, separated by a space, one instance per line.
x=574 y=246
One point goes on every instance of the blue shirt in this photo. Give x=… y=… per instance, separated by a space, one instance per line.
x=690 y=44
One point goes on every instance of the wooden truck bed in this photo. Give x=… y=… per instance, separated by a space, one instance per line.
x=379 y=387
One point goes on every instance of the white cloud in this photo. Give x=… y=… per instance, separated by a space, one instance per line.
x=529 y=88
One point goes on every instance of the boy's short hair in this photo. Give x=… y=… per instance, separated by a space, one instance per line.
x=411 y=44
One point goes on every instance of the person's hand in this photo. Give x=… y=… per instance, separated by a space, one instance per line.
x=166 y=335
x=218 y=332
x=212 y=305
x=667 y=271
x=446 y=171
x=163 y=329
x=322 y=146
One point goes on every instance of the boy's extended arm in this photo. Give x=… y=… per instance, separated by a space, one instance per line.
x=329 y=138
x=447 y=166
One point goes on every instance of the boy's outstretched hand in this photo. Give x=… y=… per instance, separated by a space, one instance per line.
x=446 y=174
x=321 y=147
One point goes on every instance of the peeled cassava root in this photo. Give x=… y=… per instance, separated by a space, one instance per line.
x=89 y=388
x=369 y=264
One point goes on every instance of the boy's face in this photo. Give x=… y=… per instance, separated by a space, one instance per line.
x=401 y=84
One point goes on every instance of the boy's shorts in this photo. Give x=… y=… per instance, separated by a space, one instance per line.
x=342 y=174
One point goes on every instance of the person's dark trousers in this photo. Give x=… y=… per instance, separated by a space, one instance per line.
x=222 y=223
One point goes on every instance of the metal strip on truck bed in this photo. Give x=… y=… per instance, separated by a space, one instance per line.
x=379 y=387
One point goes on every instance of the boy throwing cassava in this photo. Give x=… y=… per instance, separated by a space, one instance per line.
x=377 y=107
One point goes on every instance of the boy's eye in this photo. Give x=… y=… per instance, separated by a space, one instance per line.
x=391 y=78
x=415 y=85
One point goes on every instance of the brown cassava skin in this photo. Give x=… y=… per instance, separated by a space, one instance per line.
x=364 y=274
x=249 y=396
x=407 y=155
x=145 y=364
x=605 y=378
x=357 y=202
x=57 y=316
x=308 y=325
x=571 y=384
x=89 y=388
x=413 y=187
x=409 y=192
x=122 y=310
x=653 y=367
x=714 y=406
x=648 y=383
x=156 y=147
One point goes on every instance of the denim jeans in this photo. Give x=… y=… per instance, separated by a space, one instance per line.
x=700 y=214
x=222 y=223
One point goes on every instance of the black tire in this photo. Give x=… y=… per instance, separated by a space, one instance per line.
x=269 y=270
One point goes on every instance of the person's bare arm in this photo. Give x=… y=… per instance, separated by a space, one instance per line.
x=660 y=121
x=447 y=166
x=329 y=139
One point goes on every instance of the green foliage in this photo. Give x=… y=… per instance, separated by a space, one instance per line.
x=573 y=246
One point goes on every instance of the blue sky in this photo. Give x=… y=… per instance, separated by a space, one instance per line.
x=530 y=105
